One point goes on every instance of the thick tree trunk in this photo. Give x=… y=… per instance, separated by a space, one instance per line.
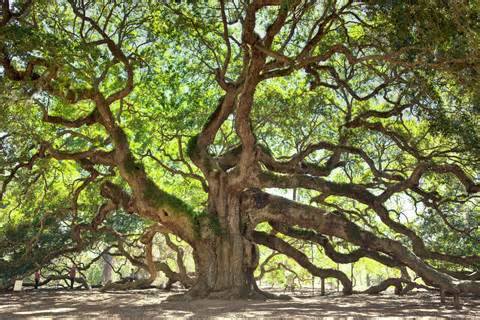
x=224 y=270
x=225 y=259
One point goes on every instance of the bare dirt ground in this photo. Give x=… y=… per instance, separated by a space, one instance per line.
x=153 y=304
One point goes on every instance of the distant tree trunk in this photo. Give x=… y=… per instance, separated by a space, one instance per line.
x=352 y=265
x=107 y=268
x=338 y=281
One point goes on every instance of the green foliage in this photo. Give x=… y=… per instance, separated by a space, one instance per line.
x=176 y=51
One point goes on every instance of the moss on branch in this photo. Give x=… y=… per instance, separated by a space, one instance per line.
x=132 y=166
x=163 y=199
x=192 y=145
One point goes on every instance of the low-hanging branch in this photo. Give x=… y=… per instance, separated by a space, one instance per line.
x=282 y=246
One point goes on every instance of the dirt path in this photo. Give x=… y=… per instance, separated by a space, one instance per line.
x=152 y=304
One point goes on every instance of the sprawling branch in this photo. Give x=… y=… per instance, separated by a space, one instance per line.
x=94 y=156
x=265 y=207
x=363 y=195
x=89 y=119
x=282 y=246
x=8 y=15
x=330 y=251
x=28 y=164
x=114 y=48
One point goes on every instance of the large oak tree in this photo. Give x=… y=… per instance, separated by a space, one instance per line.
x=197 y=115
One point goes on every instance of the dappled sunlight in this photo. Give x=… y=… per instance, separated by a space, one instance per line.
x=153 y=304
x=45 y=311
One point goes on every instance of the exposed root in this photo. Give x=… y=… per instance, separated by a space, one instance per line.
x=272 y=296
x=384 y=285
x=121 y=286
x=229 y=294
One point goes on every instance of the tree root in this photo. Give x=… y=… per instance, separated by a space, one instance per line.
x=121 y=286
x=229 y=294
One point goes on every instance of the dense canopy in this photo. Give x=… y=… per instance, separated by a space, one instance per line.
x=241 y=128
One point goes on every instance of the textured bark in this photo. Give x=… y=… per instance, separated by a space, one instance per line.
x=173 y=277
x=225 y=259
x=107 y=268
x=385 y=284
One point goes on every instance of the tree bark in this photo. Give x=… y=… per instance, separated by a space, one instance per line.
x=225 y=259
x=107 y=268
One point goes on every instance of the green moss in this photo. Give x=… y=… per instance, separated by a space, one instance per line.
x=207 y=220
x=210 y=220
x=300 y=232
x=160 y=198
x=132 y=166
x=354 y=232
x=196 y=224
x=286 y=4
x=176 y=206
x=265 y=149
x=214 y=224
x=275 y=178
x=175 y=203
x=192 y=145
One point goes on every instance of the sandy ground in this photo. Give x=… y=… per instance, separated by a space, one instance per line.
x=152 y=304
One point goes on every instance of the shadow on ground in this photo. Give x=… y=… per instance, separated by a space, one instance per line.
x=152 y=304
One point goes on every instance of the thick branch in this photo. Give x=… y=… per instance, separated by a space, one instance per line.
x=281 y=246
x=265 y=207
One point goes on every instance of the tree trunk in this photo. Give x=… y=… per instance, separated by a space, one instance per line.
x=107 y=268
x=225 y=259
x=225 y=268
x=322 y=286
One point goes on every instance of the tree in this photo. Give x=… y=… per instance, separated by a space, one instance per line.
x=225 y=103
